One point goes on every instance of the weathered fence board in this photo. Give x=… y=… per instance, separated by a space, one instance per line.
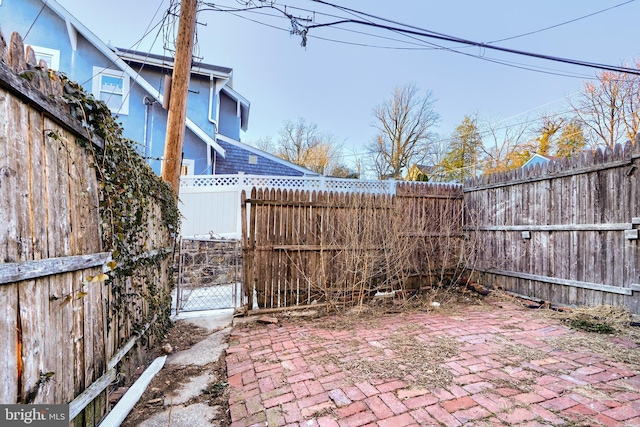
x=302 y=247
x=564 y=233
x=58 y=329
x=15 y=272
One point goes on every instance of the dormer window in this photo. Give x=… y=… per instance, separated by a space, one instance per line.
x=112 y=87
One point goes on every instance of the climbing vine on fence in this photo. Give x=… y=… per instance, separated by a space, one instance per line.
x=130 y=194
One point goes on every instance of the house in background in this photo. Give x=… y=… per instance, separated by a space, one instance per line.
x=132 y=84
x=538 y=159
x=420 y=173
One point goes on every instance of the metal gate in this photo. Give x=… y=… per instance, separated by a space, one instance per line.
x=209 y=275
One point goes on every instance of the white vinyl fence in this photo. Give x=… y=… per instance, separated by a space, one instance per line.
x=210 y=204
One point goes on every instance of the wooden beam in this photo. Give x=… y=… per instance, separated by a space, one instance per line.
x=262 y=311
x=117 y=357
x=558 y=281
x=179 y=89
x=554 y=227
x=27 y=270
x=429 y=196
x=77 y=405
x=131 y=397
x=302 y=248
x=262 y=202
x=81 y=401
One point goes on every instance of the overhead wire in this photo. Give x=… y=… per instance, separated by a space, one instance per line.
x=420 y=45
x=417 y=31
x=562 y=23
x=149 y=29
x=538 y=69
x=527 y=67
x=44 y=4
x=148 y=53
x=581 y=63
x=430 y=34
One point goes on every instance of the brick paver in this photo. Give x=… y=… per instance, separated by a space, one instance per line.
x=506 y=372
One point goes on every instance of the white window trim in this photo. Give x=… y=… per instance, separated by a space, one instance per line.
x=190 y=165
x=45 y=51
x=98 y=72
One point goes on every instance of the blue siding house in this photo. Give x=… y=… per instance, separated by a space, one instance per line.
x=133 y=83
x=538 y=159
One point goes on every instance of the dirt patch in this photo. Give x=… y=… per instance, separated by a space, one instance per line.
x=170 y=378
x=599 y=345
x=608 y=331
x=400 y=355
x=605 y=319
x=182 y=336
x=185 y=335
x=448 y=300
x=518 y=352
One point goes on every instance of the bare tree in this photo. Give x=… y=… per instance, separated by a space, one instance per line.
x=264 y=144
x=506 y=148
x=631 y=106
x=301 y=143
x=404 y=123
x=610 y=107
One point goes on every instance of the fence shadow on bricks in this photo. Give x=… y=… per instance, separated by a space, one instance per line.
x=65 y=335
x=302 y=247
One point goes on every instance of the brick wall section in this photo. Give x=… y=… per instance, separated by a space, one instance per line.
x=237 y=160
x=210 y=262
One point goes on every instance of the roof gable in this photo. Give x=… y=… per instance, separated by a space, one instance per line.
x=252 y=149
x=538 y=159
x=222 y=73
x=74 y=25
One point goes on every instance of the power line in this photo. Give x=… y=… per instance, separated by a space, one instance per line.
x=413 y=30
x=34 y=20
x=149 y=29
x=432 y=46
x=562 y=23
x=425 y=33
x=421 y=33
x=527 y=67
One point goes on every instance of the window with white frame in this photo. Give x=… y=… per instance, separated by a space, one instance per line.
x=50 y=56
x=188 y=165
x=112 y=87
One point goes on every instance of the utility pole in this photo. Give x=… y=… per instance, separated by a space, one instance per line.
x=178 y=101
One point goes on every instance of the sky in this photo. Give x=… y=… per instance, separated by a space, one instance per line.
x=345 y=71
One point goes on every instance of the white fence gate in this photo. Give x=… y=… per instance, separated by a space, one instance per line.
x=210 y=204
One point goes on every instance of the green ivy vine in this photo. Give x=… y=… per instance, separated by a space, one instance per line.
x=129 y=190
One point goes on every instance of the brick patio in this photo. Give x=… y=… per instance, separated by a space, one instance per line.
x=279 y=375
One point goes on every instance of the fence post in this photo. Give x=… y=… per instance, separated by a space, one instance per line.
x=392 y=186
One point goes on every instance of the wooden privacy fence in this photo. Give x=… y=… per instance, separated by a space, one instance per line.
x=566 y=232
x=301 y=247
x=64 y=335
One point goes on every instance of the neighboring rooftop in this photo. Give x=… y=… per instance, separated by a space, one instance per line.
x=168 y=62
